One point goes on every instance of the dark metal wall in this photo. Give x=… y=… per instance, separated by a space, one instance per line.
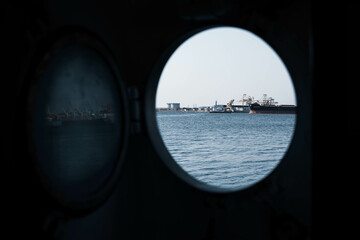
x=150 y=201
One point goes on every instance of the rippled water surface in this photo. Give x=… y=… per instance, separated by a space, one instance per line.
x=227 y=150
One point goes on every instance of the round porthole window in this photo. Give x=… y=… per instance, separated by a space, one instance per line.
x=77 y=121
x=225 y=108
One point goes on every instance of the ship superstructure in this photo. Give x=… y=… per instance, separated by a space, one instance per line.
x=268 y=105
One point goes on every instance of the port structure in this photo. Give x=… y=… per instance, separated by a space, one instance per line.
x=268 y=101
x=244 y=107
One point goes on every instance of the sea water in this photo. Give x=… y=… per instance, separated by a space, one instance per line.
x=226 y=150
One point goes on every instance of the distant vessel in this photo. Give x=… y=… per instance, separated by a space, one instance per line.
x=268 y=105
x=230 y=108
x=277 y=109
x=220 y=109
x=244 y=106
x=240 y=109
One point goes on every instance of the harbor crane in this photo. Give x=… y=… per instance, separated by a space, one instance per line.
x=229 y=105
x=268 y=101
x=247 y=100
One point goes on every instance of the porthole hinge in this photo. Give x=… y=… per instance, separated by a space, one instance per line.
x=135 y=111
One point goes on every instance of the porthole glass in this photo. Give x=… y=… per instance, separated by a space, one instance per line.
x=76 y=119
x=226 y=107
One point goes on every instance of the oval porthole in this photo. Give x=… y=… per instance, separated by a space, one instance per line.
x=225 y=108
x=77 y=121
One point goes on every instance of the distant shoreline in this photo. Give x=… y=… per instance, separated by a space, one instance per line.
x=182 y=110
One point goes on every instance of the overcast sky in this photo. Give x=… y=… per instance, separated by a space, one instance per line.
x=221 y=64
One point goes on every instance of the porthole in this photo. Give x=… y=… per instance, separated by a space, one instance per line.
x=77 y=121
x=225 y=109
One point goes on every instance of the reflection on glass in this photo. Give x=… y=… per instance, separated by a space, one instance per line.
x=76 y=121
x=226 y=107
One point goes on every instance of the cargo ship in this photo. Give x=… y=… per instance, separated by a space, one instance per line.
x=276 y=109
x=268 y=105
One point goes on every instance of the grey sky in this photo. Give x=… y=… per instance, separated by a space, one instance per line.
x=221 y=64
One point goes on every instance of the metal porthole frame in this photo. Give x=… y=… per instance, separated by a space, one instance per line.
x=49 y=47
x=156 y=137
